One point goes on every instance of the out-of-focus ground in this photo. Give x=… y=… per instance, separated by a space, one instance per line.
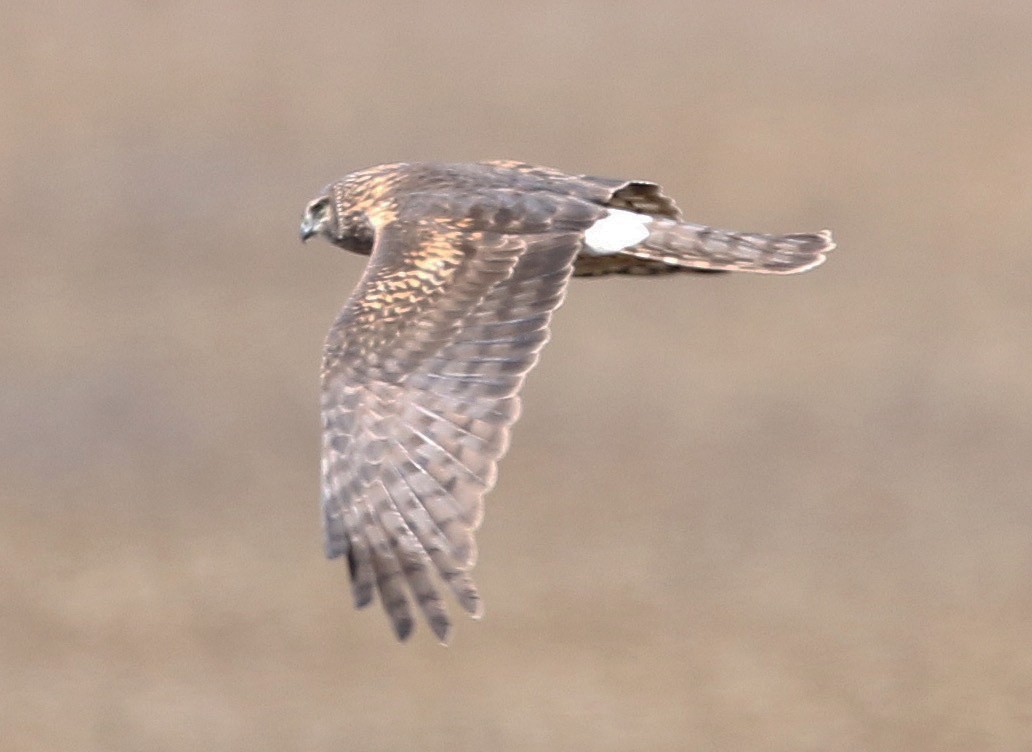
x=738 y=513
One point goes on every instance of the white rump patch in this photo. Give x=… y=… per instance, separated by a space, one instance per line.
x=617 y=230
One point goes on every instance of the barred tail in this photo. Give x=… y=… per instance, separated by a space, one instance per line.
x=689 y=246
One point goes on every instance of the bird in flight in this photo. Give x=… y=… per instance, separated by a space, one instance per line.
x=422 y=368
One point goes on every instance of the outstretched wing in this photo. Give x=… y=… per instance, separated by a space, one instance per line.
x=421 y=374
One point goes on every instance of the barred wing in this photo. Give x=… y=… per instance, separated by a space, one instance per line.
x=420 y=387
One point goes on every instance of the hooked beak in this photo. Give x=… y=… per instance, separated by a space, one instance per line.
x=308 y=228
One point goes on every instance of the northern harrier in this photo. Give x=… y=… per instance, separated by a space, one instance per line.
x=422 y=368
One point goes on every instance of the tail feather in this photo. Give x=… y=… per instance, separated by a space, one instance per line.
x=670 y=246
x=691 y=246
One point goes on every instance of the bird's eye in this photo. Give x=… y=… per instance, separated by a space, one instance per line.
x=319 y=207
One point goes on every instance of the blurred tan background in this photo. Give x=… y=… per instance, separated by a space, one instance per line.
x=739 y=513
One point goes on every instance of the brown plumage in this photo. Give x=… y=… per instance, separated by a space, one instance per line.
x=422 y=368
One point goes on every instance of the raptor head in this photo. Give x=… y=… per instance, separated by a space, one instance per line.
x=332 y=215
x=318 y=219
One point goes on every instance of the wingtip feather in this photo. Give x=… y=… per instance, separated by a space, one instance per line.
x=403 y=627
x=442 y=630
